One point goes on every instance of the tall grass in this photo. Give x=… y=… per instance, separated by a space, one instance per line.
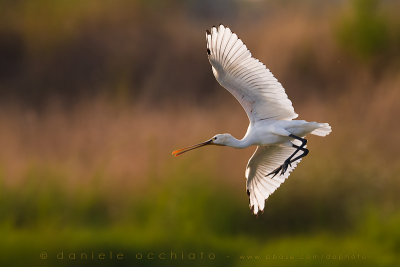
x=100 y=176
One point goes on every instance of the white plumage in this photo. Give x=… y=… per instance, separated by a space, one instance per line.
x=278 y=137
x=248 y=80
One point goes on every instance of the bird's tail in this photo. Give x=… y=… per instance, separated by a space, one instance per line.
x=323 y=129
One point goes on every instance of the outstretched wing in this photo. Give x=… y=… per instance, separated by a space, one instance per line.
x=264 y=160
x=246 y=78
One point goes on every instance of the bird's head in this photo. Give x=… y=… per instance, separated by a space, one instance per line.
x=221 y=139
x=218 y=139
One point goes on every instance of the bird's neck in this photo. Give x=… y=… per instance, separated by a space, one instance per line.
x=236 y=143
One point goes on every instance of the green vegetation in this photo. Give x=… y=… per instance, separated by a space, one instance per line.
x=187 y=213
x=366 y=33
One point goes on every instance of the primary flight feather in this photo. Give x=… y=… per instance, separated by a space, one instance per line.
x=279 y=139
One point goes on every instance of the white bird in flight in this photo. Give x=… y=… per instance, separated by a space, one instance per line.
x=279 y=139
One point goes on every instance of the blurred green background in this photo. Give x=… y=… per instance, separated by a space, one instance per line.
x=94 y=96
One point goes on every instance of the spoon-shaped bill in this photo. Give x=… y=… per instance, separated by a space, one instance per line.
x=186 y=149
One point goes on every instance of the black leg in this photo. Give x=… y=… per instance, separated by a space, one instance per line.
x=289 y=160
x=285 y=165
x=303 y=140
x=305 y=153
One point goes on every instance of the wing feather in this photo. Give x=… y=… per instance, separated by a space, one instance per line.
x=264 y=160
x=246 y=78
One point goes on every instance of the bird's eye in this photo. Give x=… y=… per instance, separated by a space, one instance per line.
x=215 y=138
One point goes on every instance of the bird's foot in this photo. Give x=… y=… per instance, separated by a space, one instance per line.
x=283 y=168
x=275 y=172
